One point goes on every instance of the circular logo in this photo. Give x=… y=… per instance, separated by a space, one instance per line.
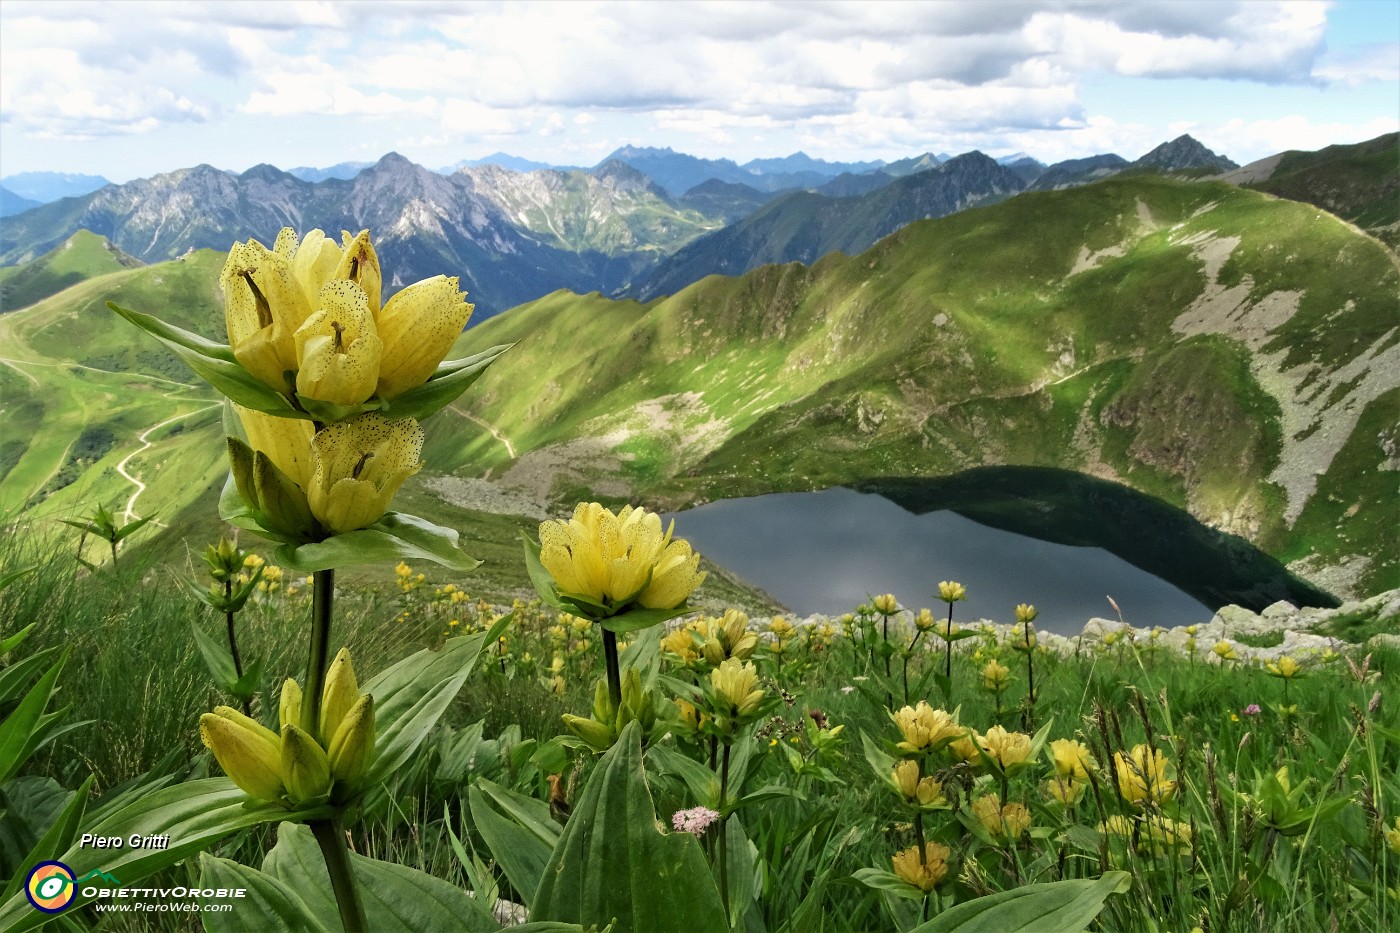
x=50 y=887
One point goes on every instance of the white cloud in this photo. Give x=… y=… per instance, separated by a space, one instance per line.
x=852 y=76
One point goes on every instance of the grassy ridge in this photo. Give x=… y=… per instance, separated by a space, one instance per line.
x=994 y=336
x=82 y=256
x=1045 y=331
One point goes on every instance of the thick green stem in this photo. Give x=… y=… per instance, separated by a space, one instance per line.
x=885 y=644
x=233 y=644
x=331 y=838
x=724 y=835
x=322 y=601
x=614 y=674
x=908 y=653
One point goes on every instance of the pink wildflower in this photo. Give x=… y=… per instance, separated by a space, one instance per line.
x=695 y=820
x=1251 y=710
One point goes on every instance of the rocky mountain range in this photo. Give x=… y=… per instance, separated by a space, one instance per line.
x=618 y=228
x=481 y=223
x=805 y=226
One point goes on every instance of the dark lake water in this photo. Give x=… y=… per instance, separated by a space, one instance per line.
x=1010 y=535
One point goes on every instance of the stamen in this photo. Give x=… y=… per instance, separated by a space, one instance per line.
x=259 y=301
x=364 y=458
x=339 y=336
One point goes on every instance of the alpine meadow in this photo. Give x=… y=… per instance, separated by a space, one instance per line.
x=620 y=540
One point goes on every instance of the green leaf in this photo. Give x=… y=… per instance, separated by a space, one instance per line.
x=634 y=619
x=132 y=527
x=530 y=813
x=396 y=536
x=1056 y=907
x=6 y=578
x=412 y=695
x=882 y=880
x=614 y=864
x=216 y=657
x=21 y=727
x=214 y=363
x=56 y=839
x=396 y=898
x=521 y=854
x=14 y=677
x=268 y=905
x=194 y=815
x=453 y=377
x=702 y=782
x=246 y=687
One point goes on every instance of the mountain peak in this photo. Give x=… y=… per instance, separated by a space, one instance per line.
x=1184 y=152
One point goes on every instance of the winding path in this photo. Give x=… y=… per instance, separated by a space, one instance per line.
x=130 y=513
x=510 y=448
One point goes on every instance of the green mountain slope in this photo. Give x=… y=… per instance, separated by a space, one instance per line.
x=1359 y=183
x=82 y=256
x=1227 y=352
x=88 y=414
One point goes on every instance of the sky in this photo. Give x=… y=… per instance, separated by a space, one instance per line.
x=128 y=89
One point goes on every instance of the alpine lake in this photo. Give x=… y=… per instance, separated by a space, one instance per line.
x=1063 y=541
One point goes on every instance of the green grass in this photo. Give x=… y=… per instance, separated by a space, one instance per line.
x=134 y=674
x=82 y=256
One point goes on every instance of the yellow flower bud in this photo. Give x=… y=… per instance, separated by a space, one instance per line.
x=905 y=778
x=598 y=736
x=352 y=749
x=245 y=749
x=289 y=705
x=924 y=620
x=418 y=327
x=1026 y=613
x=1392 y=837
x=1072 y=759
x=306 y=772
x=285 y=441
x=926 y=873
x=951 y=592
x=338 y=351
x=681 y=644
x=1225 y=651
x=1284 y=667
x=359 y=465
x=339 y=694
x=886 y=604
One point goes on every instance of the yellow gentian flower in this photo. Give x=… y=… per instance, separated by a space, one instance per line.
x=1007 y=749
x=951 y=592
x=616 y=559
x=926 y=873
x=736 y=682
x=923 y=726
x=418 y=327
x=1072 y=759
x=338 y=350
x=1142 y=776
x=359 y=465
